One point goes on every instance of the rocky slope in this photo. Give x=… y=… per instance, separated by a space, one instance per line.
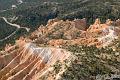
x=59 y=32
x=31 y=14
x=24 y=60
x=40 y=55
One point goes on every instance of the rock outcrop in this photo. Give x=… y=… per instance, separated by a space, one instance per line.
x=27 y=60
x=58 y=32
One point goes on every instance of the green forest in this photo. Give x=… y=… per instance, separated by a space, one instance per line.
x=33 y=14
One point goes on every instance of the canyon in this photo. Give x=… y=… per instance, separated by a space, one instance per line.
x=34 y=56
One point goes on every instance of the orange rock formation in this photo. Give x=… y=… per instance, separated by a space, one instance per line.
x=58 y=32
x=26 y=61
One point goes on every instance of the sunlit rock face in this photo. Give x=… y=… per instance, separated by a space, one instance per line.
x=24 y=62
x=105 y=33
x=27 y=61
x=59 y=32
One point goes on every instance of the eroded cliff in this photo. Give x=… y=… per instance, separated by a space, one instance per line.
x=33 y=57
